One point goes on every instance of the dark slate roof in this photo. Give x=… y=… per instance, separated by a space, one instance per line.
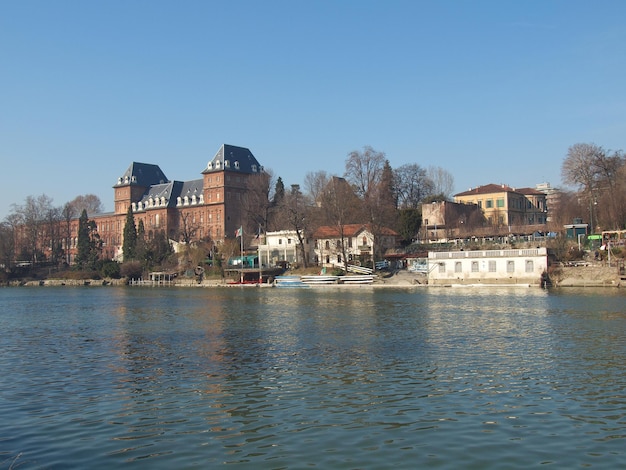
x=170 y=192
x=232 y=158
x=158 y=191
x=191 y=188
x=142 y=174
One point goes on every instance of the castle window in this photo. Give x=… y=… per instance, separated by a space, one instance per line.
x=237 y=165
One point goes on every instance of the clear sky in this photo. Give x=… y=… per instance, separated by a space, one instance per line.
x=492 y=91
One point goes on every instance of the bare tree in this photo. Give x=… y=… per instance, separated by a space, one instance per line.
x=607 y=166
x=295 y=209
x=315 y=183
x=257 y=204
x=32 y=218
x=68 y=213
x=8 y=231
x=89 y=202
x=364 y=170
x=412 y=185
x=188 y=227
x=442 y=180
x=578 y=169
x=339 y=206
x=596 y=173
x=53 y=233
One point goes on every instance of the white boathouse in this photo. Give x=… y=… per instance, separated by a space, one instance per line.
x=513 y=267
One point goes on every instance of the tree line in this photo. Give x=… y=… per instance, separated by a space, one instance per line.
x=38 y=223
x=599 y=180
x=369 y=192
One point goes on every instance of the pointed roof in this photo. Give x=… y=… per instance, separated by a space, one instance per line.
x=142 y=174
x=232 y=158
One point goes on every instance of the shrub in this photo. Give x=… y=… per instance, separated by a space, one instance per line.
x=131 y=269
x=111 y=269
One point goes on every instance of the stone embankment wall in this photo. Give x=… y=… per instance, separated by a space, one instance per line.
x=594 y=275
x=69 y=282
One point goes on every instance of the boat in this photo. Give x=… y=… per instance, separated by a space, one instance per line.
x=289 y=281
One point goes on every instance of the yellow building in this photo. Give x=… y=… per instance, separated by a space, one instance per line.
x=506 y=206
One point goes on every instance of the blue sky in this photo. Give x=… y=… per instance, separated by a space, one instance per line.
x=492 y=91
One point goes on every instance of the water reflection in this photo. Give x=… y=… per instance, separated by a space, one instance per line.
x=328 y=378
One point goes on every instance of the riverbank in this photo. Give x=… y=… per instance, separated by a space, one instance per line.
x=590 y=275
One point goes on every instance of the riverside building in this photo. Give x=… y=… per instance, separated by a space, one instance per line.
x=208 y=208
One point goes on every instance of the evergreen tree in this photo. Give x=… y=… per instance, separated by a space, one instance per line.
x=88 y=244
x=141 y=247
x=279 y=191
x=129 y=246
x=82 y=244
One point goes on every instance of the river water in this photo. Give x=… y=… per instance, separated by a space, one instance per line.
x=105 y=377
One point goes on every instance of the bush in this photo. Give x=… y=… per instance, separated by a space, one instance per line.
x=111 y=269
x=131 y=269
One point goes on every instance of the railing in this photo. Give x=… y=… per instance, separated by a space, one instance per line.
x=359 y=269
x=486 y=253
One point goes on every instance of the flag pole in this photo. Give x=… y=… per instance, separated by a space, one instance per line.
x=242 y=258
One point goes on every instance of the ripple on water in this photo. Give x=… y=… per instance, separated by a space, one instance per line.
x=349 y=379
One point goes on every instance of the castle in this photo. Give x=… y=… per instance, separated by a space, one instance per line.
x=209 y=207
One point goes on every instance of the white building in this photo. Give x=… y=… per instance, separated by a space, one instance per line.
x=523 y=266
x=283 y=246
x=357 y=242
